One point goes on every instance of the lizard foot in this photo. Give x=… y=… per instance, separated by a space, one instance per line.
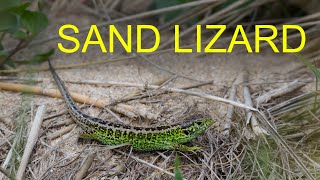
x=184 y=148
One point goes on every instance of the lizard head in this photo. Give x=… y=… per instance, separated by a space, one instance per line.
x=197 y=126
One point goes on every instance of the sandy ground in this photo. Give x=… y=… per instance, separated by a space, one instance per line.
x=53 y=159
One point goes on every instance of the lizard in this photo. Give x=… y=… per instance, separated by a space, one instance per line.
x=171 y=137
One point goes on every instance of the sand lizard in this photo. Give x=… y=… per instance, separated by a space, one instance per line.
x=140 y=138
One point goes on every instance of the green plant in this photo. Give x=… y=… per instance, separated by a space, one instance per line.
x=21 y=24
x=177 y=172
x=159 y=4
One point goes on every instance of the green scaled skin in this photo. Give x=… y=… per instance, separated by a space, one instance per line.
x=171 y=138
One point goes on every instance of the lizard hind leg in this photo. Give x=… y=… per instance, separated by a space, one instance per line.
x=184 y=148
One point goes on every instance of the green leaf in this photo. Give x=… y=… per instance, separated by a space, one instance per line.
x=39 y=58
x=177 y=172
x=3 y=55
x=20 y=34
x=3 y=58
x=167 y=3
x=19 y=9
x=6 y=4
x=174 y=14
x=34 y=22
x=10 y=63
x=10 y=19
x=9 y=22
x=310 y=66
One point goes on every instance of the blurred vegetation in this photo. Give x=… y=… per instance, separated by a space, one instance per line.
x=177 y=171
x=20 y=24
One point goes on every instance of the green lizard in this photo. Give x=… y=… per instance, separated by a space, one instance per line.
x=140 y=138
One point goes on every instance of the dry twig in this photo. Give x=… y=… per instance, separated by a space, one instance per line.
x=232 y=97
x=120 y=108
x=61 y=132
x=81 y=98
x=158 y=93
x=84 y=167
x=65 y=122
x=279 y=92
x=251 y=118
x=146 y=163
x=8 y=157
x=32 y=139
x=6 y=173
